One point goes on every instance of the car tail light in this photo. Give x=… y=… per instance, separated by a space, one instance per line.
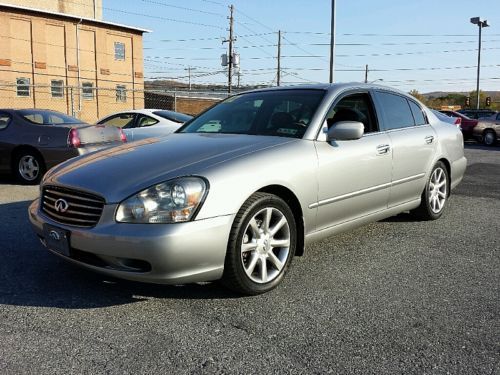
x=458 y=121
x=74 y=138
x=123 y=137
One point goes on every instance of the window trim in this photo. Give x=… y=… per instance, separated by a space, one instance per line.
x=23 y=84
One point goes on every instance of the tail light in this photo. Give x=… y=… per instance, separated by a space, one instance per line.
x=123 y=137
x=74 y=138
x=458 y=121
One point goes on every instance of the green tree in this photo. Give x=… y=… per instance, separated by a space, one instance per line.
x=417 y=95
x=473 y=99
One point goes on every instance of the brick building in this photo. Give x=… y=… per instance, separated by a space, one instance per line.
x=74 y=63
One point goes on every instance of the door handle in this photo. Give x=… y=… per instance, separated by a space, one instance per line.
x=429 y=139
x=383 y=149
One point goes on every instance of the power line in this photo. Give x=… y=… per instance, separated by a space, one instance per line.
x=183 y=8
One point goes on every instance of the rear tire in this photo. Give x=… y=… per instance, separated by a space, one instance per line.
x=28 y=167
x=435 y=194
x=261 y=245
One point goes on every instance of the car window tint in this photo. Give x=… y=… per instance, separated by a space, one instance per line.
x=356 y=107
x=145 y=121
x=46 y=117
x=418 y=115
x=396 y=110
x=4 y=120
x=35 y=118
x=173 y=116
x=124 y=120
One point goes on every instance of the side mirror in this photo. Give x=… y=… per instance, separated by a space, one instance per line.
x=346 y=131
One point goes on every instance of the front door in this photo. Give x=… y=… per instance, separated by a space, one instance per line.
x=355 y=175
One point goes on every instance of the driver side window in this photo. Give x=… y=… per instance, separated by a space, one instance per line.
x=124 y=121
x=355 y=107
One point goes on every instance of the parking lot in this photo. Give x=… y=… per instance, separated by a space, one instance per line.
x=396 y=296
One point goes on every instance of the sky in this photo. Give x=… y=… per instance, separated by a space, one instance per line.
x=427 y=45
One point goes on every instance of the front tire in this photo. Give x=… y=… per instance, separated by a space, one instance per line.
x=261 y=245
x=489 y=138
x=28 y=167
x=435 y=194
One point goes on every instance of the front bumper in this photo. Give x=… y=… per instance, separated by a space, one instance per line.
x=158 y=253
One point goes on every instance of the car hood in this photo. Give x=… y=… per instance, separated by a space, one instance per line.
x=119 y=172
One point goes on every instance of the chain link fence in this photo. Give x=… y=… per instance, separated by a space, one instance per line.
x=90 y=103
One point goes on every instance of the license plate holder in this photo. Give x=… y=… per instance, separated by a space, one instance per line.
x=57 y=239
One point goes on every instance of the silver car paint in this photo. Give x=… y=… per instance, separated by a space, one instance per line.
x=336 y=188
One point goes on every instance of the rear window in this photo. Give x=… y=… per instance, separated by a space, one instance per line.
x=4 y=120
x=47 y=117
x=173 y=116
x=397 y=111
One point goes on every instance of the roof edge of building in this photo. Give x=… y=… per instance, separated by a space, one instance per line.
x=74 y=17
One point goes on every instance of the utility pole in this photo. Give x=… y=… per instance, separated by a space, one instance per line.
x=480 y=23
x=332 y=43
x=230 y=52
x=366 y=73
x=189 y=75
x=278 y=73
x=239 y=77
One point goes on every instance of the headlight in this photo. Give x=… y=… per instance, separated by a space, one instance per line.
x=173 y=201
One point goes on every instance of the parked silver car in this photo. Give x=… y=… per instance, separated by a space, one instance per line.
x=144 y=123
x=242 y=188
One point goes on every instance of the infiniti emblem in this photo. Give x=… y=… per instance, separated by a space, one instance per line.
x=61 y=205
x=54 y=235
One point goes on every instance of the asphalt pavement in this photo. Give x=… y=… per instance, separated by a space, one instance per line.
x=396 y=296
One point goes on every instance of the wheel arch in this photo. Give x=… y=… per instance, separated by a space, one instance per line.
x=447 y=164
x=16 y=151
x=291 y=199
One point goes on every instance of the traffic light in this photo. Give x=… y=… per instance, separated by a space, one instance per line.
x=488 y=101
x=467 y=101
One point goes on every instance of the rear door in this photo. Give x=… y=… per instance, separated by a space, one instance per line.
x=354 y=176
x=413 y=144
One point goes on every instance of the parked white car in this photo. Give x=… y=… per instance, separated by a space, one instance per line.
x=144 y=123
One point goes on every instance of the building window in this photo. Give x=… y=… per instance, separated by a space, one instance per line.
x=119 y=51
x=57 y=88
x=121 y=93
x=23 y=87
x=88 y=90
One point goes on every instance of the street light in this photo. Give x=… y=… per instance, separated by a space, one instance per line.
x=480 y=23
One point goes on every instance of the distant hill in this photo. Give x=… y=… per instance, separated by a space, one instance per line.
x=440 y=94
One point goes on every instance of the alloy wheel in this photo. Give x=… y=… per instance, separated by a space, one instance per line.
x=437 y=190
x=29 y=167
x=265 y=245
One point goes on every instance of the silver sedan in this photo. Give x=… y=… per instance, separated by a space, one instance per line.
x=240 y=190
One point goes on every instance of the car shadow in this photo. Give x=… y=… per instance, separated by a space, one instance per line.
x=478 y=146
x=31 y=276
x=7 y=179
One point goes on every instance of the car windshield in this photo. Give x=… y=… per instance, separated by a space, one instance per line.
x=47 y=117
x=284 y=113
x=174 y=116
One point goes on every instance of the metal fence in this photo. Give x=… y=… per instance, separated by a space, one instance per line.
x=90 y=103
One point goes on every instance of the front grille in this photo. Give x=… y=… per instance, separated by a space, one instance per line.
x=71 y=207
